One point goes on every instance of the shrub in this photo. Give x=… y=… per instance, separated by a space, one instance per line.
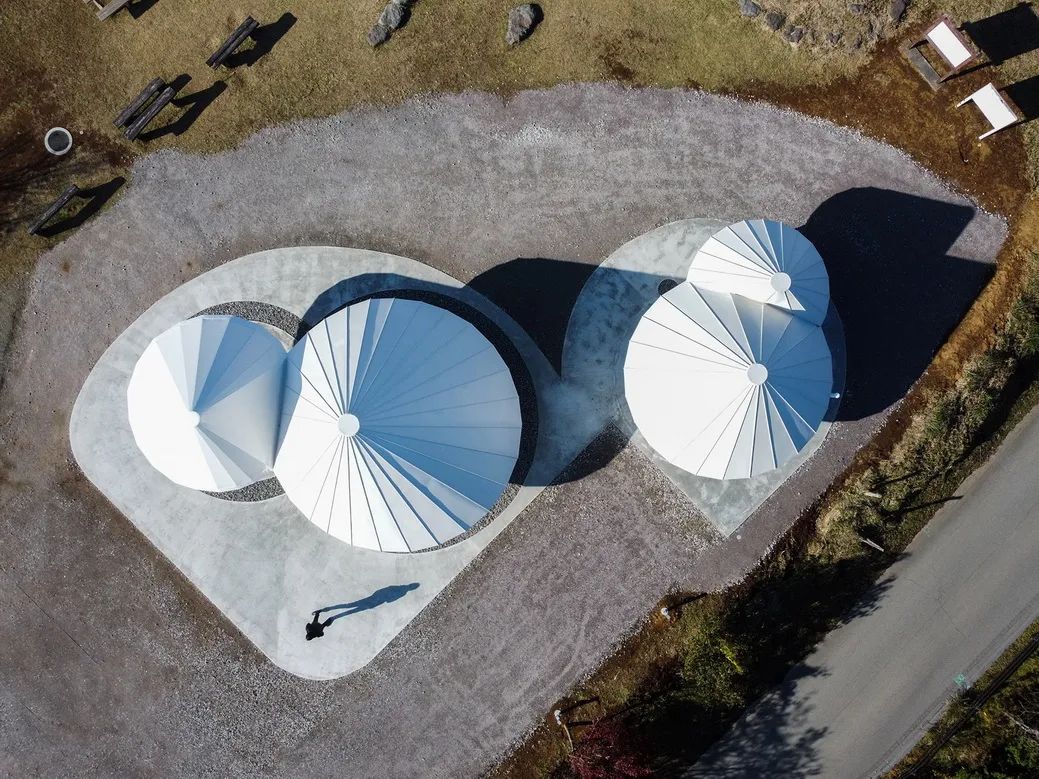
x=712 y=669
x=609 y=749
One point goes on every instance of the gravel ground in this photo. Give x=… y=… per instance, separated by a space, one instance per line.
x=114 y=665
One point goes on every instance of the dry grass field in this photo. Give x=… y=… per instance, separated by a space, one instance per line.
x=64 y=67
x=67 y=68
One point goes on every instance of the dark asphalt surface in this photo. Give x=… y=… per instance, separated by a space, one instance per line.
x=964 y=590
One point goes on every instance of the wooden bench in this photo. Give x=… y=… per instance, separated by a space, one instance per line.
x=138 y=124
x=104 y=11
x=146 y=94
x=234 y=40
x=53 y=209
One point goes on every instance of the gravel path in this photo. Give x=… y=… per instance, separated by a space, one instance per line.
x=112 y=664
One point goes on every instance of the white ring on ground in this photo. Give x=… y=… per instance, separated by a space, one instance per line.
x=57 y=131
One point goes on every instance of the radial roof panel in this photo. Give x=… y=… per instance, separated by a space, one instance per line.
x=723 y=386
x=203 y=402
x=400 y=425
x=766 y=261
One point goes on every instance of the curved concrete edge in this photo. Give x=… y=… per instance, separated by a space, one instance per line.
x=262 y=564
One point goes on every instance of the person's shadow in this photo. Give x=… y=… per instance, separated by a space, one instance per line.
x=316 y=627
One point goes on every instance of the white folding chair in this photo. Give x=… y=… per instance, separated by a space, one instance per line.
x=997 y=109
x=951 y=44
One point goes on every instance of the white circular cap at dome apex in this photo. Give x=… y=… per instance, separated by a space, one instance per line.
x=400 y=425
x=202 y=402
x=726 y=387
x=348 y=425
x=766 y=261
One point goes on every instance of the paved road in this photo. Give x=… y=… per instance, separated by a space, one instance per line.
x=965 y=589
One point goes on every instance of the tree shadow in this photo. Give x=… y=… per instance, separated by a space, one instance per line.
x=1008 y=34
x=929 y=504
x=95 y=198
x=194 y=104
x=264 y=39
x=897 y=290
x=701 y=731
x=24 y=163
x=378 y=598
x=783 y=745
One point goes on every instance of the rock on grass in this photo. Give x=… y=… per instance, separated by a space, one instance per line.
x=522 y=21
x=774 y=20
x=749 y=8
x=794 y=34
x=392 y=16
x=379 y=34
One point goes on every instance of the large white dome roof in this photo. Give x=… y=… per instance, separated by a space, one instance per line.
x=202 y=402
x=723 y=386
x=400 y=425
x=766 y=261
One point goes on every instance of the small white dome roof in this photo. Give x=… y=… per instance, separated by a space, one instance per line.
x=202 y=402
x=766 y=261
x=723 y=386
x=400 y=425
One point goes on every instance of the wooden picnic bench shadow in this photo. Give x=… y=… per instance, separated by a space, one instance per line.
x=1007 y=34
x=194 y=104
x=95 y=198
x=264 y=39
x=1025 y=95
x=139 y=8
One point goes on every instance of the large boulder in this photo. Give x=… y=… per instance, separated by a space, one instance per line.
x=522 y=21
x=378 y=35
x=392 y=16
x=774 y=20
x=749 y=8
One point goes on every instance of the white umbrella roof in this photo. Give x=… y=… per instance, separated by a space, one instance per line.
x=202 y=402
x=723 y=386
x=400 y=425
x=765 y=261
